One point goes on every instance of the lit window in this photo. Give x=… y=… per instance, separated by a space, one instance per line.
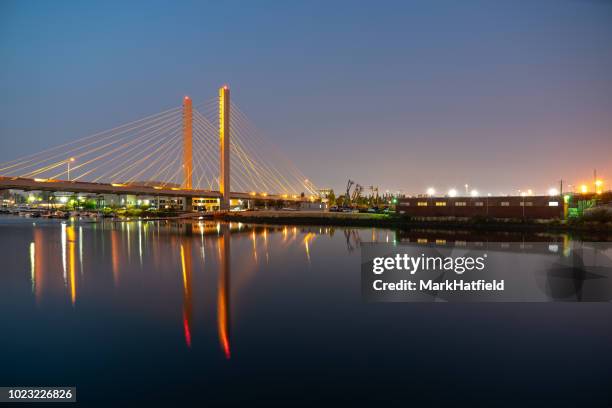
x=440 y=203
x=505 y=204
x=422 y=204
x=478 y=203
x=527 y=204
x=553 y=203
x=460 y=204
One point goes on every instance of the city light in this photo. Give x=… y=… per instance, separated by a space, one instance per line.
x=431 y=191
x=70 y=160
x=598 y=184
x=452 y=192
x=474 y=193
x=584 y=189
x=553 y=192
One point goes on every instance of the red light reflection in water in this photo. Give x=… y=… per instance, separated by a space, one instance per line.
x=223 y=291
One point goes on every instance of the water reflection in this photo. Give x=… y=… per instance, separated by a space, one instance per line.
x=223 y=301
x=187 y=301
x=72 y=261
x=198 y=258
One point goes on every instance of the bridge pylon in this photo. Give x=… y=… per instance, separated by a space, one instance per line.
x=187 y=143
x=224 y=147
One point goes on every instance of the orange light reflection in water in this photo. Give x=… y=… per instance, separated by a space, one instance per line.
x=223 y=292
x=71 y=235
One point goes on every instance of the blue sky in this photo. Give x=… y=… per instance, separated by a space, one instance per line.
x=405 y=95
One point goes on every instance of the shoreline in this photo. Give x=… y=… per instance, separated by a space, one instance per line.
x=369 y=220
x=392 y=221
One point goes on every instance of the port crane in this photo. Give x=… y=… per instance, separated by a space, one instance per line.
x=351 y=198
x=347 y=196
x=356 y=193
x=374 y=193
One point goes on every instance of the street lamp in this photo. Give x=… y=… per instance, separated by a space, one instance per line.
x=452 y=192
x=70 y=160
x=431 y=191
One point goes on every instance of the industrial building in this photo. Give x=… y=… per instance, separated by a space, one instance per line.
x=510 y=207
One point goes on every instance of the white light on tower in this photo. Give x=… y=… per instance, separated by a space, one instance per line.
x=431 y=191
x=452 y=192
x=474 y=193
x=553 y=192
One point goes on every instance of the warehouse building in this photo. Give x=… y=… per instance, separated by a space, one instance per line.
x=510 y=207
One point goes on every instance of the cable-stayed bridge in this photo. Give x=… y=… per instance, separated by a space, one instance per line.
x=208 y=150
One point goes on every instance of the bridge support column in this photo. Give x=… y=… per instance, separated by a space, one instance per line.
x=187 y=204
x=187 y=143
x=224 y=147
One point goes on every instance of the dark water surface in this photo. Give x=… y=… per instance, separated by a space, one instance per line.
x=216 y=314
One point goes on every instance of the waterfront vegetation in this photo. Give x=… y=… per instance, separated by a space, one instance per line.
x=135 y=212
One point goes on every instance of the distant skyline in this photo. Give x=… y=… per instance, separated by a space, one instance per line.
x=406 y=95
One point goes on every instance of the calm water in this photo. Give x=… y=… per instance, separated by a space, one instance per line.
x=225 y=314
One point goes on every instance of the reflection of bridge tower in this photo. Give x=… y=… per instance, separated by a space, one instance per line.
x=187 y=143
x=224 y=146
x=187 y=299
x=223 y=301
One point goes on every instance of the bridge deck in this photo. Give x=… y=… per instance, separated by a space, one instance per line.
x=26 y=184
